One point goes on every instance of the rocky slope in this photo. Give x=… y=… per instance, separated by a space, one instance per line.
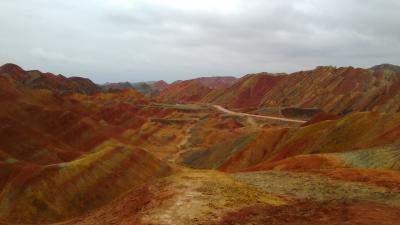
x=333 y=90
x=356 y=131
x=62 y=155
x=38 y=80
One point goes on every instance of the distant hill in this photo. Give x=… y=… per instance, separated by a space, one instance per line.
x=145 y=88
x=391 y=67
x=158 y=85
x=330 y=89
x=195 y=90
x=333 y=90
x=116 y=86
x=142 y=87
x=217 y=82
x=39 y=80
x=247 y=91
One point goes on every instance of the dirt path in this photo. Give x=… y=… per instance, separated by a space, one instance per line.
x=222 y=109
x=192 y=197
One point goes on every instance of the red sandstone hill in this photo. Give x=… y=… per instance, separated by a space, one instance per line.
x=333 y=90
x=116 y=86
x=194 y=90
x=184 y=91
x=38 y=80
x=39 y=126
x=217 y=82
x=158 y=85
x=61 y=155
x=246 y=92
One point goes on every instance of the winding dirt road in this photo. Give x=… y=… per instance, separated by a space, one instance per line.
x=222 y=109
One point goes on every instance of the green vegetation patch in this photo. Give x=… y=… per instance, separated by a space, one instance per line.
x=10 y=161
x=387 y=157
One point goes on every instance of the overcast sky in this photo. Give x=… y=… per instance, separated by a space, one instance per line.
x=140 y=40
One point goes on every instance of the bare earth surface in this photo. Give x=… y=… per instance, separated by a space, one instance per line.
x=318 y=188
x=194 y=197
x=189 y=197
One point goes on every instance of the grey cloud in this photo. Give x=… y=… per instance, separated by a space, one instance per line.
x=118 y=40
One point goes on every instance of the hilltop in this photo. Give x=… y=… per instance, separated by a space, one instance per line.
x=330 y=89
x=390 y=67
x=38 y=80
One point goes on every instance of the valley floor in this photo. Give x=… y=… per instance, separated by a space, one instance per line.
x=199 y=142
